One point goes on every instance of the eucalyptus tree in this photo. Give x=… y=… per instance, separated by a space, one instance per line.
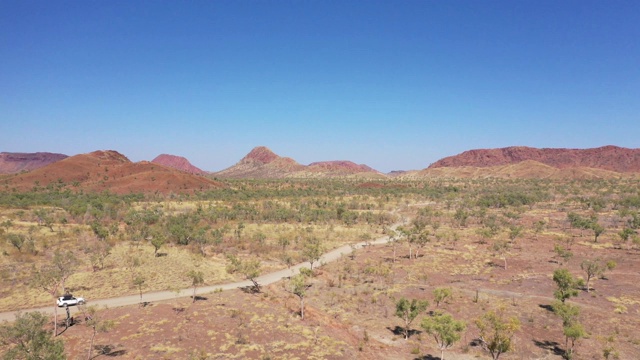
x=408 y=310
x=444 y=329
x=497 y=332
x=26 y=338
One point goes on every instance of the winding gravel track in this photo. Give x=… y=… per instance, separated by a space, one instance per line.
x=266 y=279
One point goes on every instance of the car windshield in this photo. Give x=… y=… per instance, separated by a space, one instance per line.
x=67 y=297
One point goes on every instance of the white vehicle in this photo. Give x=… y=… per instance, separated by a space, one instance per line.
x=70 y=300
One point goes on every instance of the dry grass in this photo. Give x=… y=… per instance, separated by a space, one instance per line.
x=161 y=273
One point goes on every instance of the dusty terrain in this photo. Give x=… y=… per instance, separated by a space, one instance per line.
x=350 y=309
x=493 y=242
x=350 y=303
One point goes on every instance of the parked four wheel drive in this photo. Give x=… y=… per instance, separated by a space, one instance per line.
x=69 y=300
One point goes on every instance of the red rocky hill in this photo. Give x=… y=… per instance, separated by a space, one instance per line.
x=261 y=162
x=11 y=163
x=177 y=162
x=611 y=158
x=109 y=170
x=339 y=166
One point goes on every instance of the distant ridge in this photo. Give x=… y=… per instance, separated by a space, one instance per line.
x=261 y=162
x=108 y=170
x=610 y=158
x=177 y=162
x=527 y=169
x=11 y=162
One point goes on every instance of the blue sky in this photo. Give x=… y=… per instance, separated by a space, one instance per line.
x=392 y=84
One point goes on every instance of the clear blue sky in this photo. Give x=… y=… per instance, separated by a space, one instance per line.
x=392 y=84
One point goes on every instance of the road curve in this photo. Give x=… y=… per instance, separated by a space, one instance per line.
x=265 y=279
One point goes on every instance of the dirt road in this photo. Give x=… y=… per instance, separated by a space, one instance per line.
x=266 y=279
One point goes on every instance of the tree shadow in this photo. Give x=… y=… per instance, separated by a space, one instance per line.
x=62 y=332
x=399 y=330
x=428 y=357
x=179 y=310
x=550 y=346
x=546 y=307
x=161 y=254
x=200 y=298
x=475 y=343
x=108 y=350
x=251 y=289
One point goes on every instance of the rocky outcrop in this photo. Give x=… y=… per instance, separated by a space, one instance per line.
x=261 y=162
x=11 y=162
x=111 y=171
x=339 y=166
x=611 y=158
x=177 y=162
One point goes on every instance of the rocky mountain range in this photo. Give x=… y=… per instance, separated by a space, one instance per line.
x=110 y=170
x=261 y=162
x=611 y=158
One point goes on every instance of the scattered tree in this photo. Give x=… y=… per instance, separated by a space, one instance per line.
x=538 y=227
x=514 y=232
x=299 y=286
x=461 y=217
x=408 y=311
x=197 y=279
x=64 y=264
x=567 y=312
x=444 y=329
x=250 y=268
x=17 y=240
x=597 y=231
x=27 y=339
x=53 y=276
x=591 y=268
x=312 y=250
x=562 y=253
x=98 y=251
x=625 y=234
x=97 y=324
x=496 y=332
x=283 y=242
x=238 y=231
x=502 y=247
x=567 y=284
x=595 y=268
x=139 y=282
x=441 y=294
x=571 y=328
x=157 y=240
x=572 y=333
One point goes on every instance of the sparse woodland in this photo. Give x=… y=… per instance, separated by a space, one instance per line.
x=504 y=269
